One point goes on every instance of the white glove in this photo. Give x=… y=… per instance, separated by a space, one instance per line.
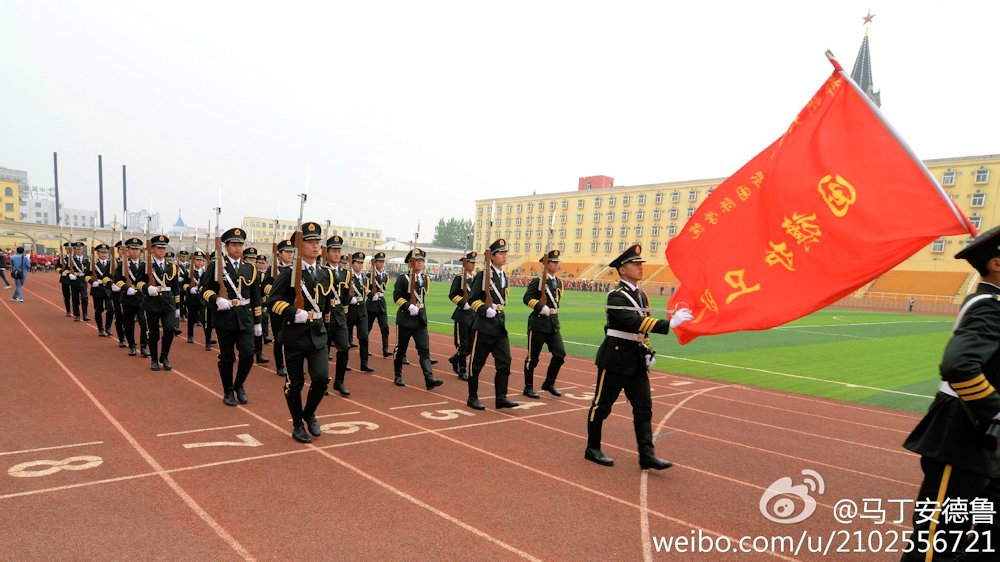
x=130 y=292
x=680 y=317
x=545 y=311
x=650 y=360
x=491 y=312
x=223 y=304
x=379 y=295
x=257 y=331
x=72 y=277
x=466 y=307
x=354 y=300
x=153 y=291
x=413 y=310
x=301 y=316
x=177 y=313
x=193 y=290
x=116 y=289
x=95 y=284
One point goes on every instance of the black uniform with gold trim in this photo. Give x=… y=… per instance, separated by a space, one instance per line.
x=116 y=297
x=543 y=329
x=285 y=252
x=127 y=278
x=259 y=261
x=357 y=313
x=236 y=315
x=957 y=438
x=462 y=316
x=163 y=293
x=623 y=361
x=100 y=278
x=63 y=269
x=303 y=336
x=411 y=320
x=77 y=269
x=489 y=330
x=337 y=324
x=195 y=305
x=184 y=271
x=378 y=281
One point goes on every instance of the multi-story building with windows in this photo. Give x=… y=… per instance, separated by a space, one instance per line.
x=10 y=200
x=261 y=230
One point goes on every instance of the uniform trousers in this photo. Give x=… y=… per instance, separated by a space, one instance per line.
x=319 y=377
x=483 y=346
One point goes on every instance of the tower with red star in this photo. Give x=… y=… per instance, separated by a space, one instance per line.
x=862 y=71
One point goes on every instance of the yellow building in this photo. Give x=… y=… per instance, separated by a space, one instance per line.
x=263 y=231
x=592 y=227
x=10 y=200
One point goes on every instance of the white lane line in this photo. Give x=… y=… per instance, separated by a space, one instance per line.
x=417 y=405
x=50 y=448
x=332 y=415
x=200 y=430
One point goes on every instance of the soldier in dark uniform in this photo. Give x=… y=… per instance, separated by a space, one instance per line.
x=116 y=296
x=163 y=292
x=489 y=327
x=130 y=272
x=79 y=266
x=64 y=270
x=303 y=332
x=337 y=325
x=100 y=278
x=209 y=310
x=237 y=313
x=195 y=305
x=260 y=262
x=957 y=438
x=623 y=361
x=184 y=267
x=346 y=266
x=357 y=313
x=286 y=252
x=463 y=315
x=378 y=281
x=171 y=258
x=543 y=327
x=411 y=318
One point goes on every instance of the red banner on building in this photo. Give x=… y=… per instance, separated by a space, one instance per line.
x=835 y=202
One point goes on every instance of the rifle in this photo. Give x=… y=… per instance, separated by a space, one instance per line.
x=543 y=284
x=220 y=278
x=488 y=277
x=126 y=268
x=465 y=280
x=149 y=262
x=297 y=273
x=413 y=293
x=93 y=261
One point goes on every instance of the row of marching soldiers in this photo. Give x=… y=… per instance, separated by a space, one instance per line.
x=313 y=309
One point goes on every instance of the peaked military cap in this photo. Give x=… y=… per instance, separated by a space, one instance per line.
x=553 y=256
x=983 y=248
x=249 y=252
x=261 y=258
x=343 y=259
x=169 y=255
x=65 y=244
x=630 y=255
x=77 y=244
x=212 y=256
x=379 y=256
x=415 y=254
x=358 y=256
x=198 y=255
x=286 y=246
x=134 y=243
x=183 y=253
x=234 y=235
x=334 y=242
x=500 y=245
x=118 y=244
x=313 y=231
x=471 y=257
x=102 y=247
x=159 y=241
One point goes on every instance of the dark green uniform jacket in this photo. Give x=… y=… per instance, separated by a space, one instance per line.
x=533 y=298
x=628 y=356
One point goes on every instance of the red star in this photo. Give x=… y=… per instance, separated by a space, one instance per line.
x=868 y=18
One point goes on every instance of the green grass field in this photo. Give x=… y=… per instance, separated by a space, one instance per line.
x=882 y=359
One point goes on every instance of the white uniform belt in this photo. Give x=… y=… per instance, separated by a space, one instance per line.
x=240 y=302
x=947 y=389
x=624 y=335
x=162 y=289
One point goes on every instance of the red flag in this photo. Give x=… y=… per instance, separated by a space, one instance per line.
x=835 y=202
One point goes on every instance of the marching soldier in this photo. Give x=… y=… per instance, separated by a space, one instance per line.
x=459 y=294
x=303 y=331
x=184 y=267
x=337 y=336
x=957 y=437
x=411 y=318
x=162 y=287
x=286 y=251
x=237 y=312
x=489 y=328
x=357 y=313
x=209 y=313
x=345 y=266
x=375 y=301
x=79 y=265
x=623 y=361
x=195 y=305
x=543 y=327
x=171 y=258
x=116 y=297
x=250 y=256
x=130 y=272
x=260 y=262
x=64 y=270
x=100 y=278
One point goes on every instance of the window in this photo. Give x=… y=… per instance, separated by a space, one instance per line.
x=552 y=205
x=653 y=246
x=593 y=246
x=597 y=202
x=642 y=199
x=579 y=218
x=692 y=195
x=590 y=185
x=538 y=233
x=658 y=198
x=509 y=206
x=638 y=231
x=8 y=192
x=655 y=231
x=579 y=232
x=690 y=212
x=623 y=232
x=656 y=214
x=9 y=207
x=672 y=230
x=518 y=207
x=625 y=199
x=579 y=203
x=982 y=175
x=611 y=216
x=639 y=215
x=538 y=246
x=529 y=206
x=937 y=246
x=976 y=221
x=594 y=231
x=624 y=216
x=611 y=201
x=978 y=200
x=675 y=196
x=673 y=213
x=480 y=210
x=527 y=233
x=562 y=246
x=576 y=247
x=565 y=204
x=948 y=178
x=517 y=234
x=562 y=219
x=609 y=232
x=38 y=205
x=506 y=221
x=517 y=247
x=621 y=246
x=506 y=233
x=527 y=220
x=607 y=246
x=517 y=221
x=562 y=233
x=597 y=216
x=38 y=215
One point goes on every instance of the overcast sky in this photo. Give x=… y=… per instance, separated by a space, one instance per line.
x=406 y=111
